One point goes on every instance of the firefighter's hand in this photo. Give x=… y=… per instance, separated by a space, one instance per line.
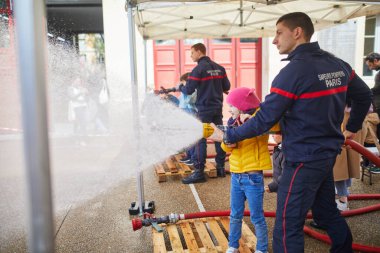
x=217 y=135
x=245 y=117
x=266 y=188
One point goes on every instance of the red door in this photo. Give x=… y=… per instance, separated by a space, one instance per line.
x=239 y=56
x=248 y=63
x=166 y=67
x=222 y=51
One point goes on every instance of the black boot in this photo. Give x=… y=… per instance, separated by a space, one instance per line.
x=220 y=172
x=196 y=177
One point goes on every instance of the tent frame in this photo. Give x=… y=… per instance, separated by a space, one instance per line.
x=30 y=29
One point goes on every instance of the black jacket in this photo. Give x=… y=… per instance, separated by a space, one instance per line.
x=278 y=162
x=376 y=92
x=210 y=80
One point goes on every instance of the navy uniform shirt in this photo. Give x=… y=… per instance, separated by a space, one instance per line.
x=308 y=97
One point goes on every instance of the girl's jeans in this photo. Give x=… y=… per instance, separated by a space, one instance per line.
x=248 y=187
x=342 y=187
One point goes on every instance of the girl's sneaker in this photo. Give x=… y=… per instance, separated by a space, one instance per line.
x=232 y=250
x=342 y=206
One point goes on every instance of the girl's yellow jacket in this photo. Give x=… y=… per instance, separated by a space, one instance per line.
x=251 y=154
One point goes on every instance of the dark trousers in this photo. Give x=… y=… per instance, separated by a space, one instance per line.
x=306 y=186
x=200 y=150
x=190 y=153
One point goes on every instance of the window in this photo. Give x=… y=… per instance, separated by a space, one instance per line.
x=369 y=41
x=249 y=40
x=221 y=41
x=4 y=31
x=91 y=47
x=3 y=4
x=165 y=42
x=193 y=41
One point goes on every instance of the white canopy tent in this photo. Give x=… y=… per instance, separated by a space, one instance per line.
x=245 y=18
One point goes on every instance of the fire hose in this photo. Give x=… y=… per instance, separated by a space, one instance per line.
x=150 y=220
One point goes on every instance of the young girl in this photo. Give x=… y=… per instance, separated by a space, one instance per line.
x=247 y=161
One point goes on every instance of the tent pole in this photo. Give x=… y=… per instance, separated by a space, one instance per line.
x=241 y=13
x=145 y=67
x=135 y=105
x=31 y=37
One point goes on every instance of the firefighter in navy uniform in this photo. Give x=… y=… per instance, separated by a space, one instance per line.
x=308 y=96
x=210 y=80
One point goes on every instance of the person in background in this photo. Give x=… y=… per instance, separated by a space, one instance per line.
x=78 y=95
x=187 y=103
x=210 y=81
x=100 y=98
x=347 y=166
x=372 y=60
x=278 y=161
x=369 y=128
x=309 y=96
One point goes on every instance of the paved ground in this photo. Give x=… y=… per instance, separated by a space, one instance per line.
x=93 y=190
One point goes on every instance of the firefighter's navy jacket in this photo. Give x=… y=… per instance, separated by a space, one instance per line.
x=308 y=96
x=210 y=80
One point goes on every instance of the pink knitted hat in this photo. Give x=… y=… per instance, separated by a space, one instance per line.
x=243 y=98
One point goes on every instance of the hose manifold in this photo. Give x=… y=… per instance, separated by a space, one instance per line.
x=150 y=220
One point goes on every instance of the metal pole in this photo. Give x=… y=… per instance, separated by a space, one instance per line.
x=145 y=67
x=31 y=38
x=241 y=13
x=135 y=105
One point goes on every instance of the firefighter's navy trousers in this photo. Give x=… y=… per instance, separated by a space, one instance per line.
x=305 y=186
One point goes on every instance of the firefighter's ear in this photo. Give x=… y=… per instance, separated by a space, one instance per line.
x=298 y=32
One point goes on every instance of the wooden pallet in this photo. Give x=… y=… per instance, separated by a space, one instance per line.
x=172 y=167
x=200 y=235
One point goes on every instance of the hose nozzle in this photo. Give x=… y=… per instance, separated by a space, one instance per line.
x=165 y=91
x=208 y=130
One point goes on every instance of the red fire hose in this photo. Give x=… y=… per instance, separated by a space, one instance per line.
x=309 y=216
x=137 y=223
x=364 y=152
x=326 y=239
x=173 y=218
